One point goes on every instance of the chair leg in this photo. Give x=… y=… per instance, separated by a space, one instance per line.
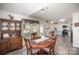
x=31 y=53
x=41 y=52
x=53 y=52
x=27 y=52
x=49 y=51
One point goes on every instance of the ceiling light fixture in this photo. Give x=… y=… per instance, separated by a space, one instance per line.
x=51 y=22
x=62 y=19
x=42 y=10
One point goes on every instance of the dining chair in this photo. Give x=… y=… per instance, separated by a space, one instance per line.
x=51 y=48
x=30 y=50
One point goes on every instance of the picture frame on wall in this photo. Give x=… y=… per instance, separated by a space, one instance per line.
x=76 y=24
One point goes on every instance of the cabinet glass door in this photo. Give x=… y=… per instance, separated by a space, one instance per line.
x=4 y=23
x=26 y=26
x=5 y=26
x=36 y=28
x=18 y=24
x=12 y=26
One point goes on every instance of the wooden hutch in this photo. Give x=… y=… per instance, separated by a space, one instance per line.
x=10 y=35
x=31 y=27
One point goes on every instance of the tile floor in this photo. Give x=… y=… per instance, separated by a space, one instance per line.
x=63 y=47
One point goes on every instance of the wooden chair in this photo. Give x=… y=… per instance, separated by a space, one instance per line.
x=51 y=34
x=30 y=50
x=51 y=47
x=33 y=36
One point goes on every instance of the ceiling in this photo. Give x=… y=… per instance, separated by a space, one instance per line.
x=51 y=11
x=21 y=8
x=56 y=11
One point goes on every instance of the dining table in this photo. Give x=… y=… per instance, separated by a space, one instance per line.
x=42 y=43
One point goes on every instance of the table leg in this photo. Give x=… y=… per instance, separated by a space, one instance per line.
x=41 y=51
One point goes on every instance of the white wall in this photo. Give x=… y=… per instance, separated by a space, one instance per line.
x=58 y=26
x=75 y=30
x=5 y=15
x=42 y=26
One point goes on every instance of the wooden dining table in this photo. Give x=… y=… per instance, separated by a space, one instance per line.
x=42 y=44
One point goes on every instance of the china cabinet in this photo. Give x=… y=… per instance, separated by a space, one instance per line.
x=30 y=26
x=10 y=35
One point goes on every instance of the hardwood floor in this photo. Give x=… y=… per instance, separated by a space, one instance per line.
x=63 y=47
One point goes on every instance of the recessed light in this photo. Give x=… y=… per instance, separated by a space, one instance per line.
x=51 y=22
x=62 y=19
